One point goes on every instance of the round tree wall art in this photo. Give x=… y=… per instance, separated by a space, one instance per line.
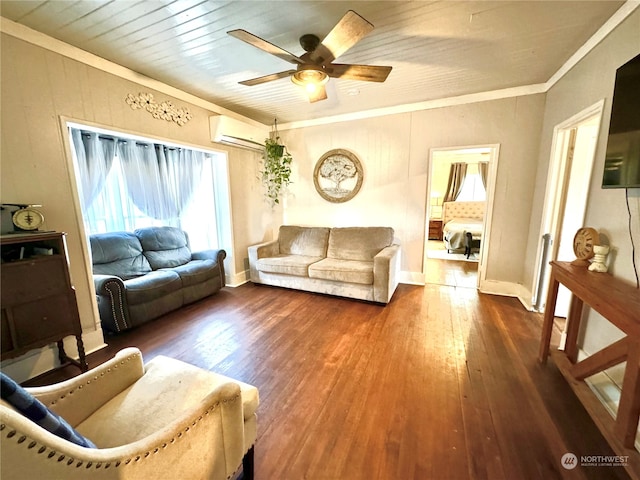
x=338 y=176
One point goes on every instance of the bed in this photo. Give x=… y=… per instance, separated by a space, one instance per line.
x=462 y=225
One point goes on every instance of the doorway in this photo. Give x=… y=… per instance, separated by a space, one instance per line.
x=569 y=177
x=443 y=266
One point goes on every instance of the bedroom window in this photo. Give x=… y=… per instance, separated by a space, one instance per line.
x=128 y=183
x=473 y=187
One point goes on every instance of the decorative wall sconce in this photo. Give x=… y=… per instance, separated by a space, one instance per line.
x=164 y=111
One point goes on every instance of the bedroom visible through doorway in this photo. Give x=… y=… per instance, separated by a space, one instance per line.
x=460 y=183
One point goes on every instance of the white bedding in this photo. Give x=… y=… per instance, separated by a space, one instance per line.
x=455 y=230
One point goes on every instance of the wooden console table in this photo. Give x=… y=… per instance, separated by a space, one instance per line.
x=619 y=303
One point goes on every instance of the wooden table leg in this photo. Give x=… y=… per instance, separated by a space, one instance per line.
x=83 y=359
x=64 y=358
x=573 y=328
x=547 y=326
x=629 y=407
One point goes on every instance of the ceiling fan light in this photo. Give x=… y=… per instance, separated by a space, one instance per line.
x=311 y=87
x=310 y=76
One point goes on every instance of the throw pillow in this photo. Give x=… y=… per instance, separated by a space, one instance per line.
x=36 y=411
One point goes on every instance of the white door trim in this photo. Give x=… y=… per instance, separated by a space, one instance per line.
x=486 y=226
x=557 y=178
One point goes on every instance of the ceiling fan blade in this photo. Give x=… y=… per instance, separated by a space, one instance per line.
x=320 y=93
x=265 y=46
x=347 y=32
x=267 y=78
x=367 y=73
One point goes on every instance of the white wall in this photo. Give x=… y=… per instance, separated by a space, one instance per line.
x=38 y=87
x=394 y=152
x=590 y=81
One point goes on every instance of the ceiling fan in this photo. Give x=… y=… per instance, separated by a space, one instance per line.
x=314 y=67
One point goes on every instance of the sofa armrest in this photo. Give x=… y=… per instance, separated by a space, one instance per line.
x=262 y=250
x=386 y=266
x=101 y=283
x=112 y=302
x=217 y=255
x=77 y=398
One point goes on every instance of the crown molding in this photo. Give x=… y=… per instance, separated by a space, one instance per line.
x=616 y=19
x=42 y=40
x=37 y=38
x=414 y=107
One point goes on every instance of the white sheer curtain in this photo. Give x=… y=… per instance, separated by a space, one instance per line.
x=160 y=180
x=135 y=183
x=94 y=158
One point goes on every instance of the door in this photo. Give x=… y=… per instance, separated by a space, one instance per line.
x=566 y=197
x=580 y=163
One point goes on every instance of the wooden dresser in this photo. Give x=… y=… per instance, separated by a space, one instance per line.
x=37 y=299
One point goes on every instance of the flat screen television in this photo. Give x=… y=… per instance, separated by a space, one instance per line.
x=622 y=161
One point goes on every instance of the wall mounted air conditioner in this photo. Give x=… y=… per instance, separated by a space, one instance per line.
x=229 y=131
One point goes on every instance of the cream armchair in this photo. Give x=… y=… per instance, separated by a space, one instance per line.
x=163 y=420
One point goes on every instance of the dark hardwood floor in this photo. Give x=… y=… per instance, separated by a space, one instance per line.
x=442 y=383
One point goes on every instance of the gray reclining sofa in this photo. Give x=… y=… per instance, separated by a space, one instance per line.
x=142 y=275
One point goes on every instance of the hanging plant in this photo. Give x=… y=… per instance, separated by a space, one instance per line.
x=276 y=167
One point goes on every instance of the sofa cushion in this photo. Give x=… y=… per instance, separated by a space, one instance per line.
x=119 y=254
x=309 y=241
x=349 y=271
x=287 y=264
x=164 y=247
x=152 y=285
x=358 y=243
x=197 y=271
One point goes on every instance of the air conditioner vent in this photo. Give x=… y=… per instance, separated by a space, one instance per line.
x=229 y=131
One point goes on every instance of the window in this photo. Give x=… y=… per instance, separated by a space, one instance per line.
x=472 y=189
x=128 y=183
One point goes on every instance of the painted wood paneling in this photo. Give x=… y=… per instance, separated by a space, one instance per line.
x=38 y=88
x=394 y=152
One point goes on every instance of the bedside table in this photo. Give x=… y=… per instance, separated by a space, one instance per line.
x=435 y=229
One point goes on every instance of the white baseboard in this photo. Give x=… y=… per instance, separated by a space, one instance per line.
x=237 y=279
x=39 y=361
x=508 y=289
x=411 y=278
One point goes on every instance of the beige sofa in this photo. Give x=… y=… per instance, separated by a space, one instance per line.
x=354 y=262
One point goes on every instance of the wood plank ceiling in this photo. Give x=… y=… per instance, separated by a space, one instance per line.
x=437 y=49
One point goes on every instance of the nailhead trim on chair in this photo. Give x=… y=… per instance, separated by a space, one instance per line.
x=95 y=378
x=98 y=465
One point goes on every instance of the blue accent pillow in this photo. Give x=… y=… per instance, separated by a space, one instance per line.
x=36 y=411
